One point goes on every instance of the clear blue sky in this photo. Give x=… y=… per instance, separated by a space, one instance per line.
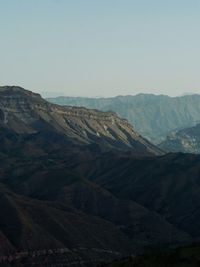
x=101 y=47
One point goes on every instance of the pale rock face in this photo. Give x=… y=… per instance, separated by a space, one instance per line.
x=26 y=112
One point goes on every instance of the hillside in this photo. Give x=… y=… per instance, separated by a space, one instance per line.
x=180 y=257
x=49 y=202
x=186 y=140
x=168 y=185
x=153 y=116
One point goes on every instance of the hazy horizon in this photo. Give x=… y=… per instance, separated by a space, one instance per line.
x=51 y=94
x=100 y=48
x=55 y=94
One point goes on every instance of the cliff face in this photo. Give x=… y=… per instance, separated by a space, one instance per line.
x=26 y=112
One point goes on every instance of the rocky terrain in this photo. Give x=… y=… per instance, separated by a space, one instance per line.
x=153 y=116
x=186 y=140
x=70 y=198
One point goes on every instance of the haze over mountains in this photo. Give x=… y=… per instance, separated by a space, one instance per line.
x=153 y=116
x=80 y=186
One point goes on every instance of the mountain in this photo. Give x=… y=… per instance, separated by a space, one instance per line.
x=73 y=199
x=27 y=113
x=153 y=116
x=186 y=140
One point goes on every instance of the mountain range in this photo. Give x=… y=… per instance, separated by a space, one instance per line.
x=153 y=116
x=80 y=186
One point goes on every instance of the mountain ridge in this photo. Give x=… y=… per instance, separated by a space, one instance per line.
x=153 y=116
x=26 y=112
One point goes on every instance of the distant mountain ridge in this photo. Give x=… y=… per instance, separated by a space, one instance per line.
x=153 y=116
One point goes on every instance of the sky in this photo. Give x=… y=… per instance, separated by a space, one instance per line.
x=101 y=47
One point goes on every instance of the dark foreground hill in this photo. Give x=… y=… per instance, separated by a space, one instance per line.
x=49 y=202
x=69 y=199
x=96 y=206
x=153 y=116
x=180 y=257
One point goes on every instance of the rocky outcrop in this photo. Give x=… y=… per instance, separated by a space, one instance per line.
x=186 y=140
